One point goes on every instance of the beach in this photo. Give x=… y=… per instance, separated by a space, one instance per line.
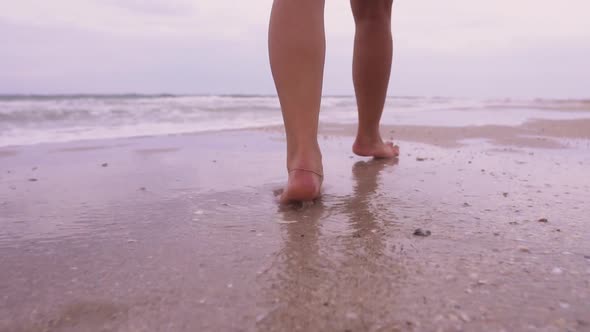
x=474 y=227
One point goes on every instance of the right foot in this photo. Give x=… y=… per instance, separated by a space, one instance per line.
x=375 y=148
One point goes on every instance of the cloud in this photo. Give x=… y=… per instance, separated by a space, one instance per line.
x=153 y=7
x=455 y=26
x=458 y=47
x=141 y=19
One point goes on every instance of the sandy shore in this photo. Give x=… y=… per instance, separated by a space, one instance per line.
x=183 y=233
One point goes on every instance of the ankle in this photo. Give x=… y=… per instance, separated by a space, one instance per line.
x=368 y=138
x=308 y=157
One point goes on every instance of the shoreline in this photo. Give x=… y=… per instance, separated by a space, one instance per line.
x=541 y=133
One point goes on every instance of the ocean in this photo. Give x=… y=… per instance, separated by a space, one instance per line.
x=26 y=120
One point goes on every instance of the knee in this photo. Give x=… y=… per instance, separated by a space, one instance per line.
x=371 y=10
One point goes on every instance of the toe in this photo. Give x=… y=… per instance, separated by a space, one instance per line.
x=390 y=150
x=393 y=148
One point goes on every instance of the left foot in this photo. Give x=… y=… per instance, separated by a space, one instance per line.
x=303 y=185
x=305 y=176
x=375 y=148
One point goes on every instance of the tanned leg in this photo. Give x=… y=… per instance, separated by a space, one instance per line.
x=297 y=52
x=373 y=50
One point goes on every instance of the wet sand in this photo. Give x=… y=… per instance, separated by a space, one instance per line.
x=183 y=233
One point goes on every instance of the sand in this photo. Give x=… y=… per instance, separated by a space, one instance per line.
x=183 y=233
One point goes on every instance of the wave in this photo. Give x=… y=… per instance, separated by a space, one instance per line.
x=30 y=119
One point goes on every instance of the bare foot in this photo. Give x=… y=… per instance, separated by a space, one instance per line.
x=303 y=185
x=375 y=148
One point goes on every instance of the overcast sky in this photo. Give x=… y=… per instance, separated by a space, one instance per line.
x=470 y=48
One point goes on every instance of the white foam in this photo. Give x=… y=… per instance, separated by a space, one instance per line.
x=32 y=120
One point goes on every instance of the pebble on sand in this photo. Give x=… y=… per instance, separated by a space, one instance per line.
x=105 y=164
x=420 y=159
x=481 y=282
x=33 y=180
x=524 y=249
x=464 y=317
x=543 y=220
x=422 y=232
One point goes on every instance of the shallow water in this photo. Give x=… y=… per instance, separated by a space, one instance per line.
x=28 y=120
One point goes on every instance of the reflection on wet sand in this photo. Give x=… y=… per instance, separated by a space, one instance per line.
x=326 y=277
x=366 y=215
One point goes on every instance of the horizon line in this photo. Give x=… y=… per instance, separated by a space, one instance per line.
x=252 y=95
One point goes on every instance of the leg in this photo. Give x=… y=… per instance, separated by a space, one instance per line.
x=373 y=48
x=297 y=51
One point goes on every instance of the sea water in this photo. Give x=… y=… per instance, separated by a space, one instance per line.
x=26 y=120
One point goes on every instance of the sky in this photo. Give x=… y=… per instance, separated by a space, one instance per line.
x=461 y=48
